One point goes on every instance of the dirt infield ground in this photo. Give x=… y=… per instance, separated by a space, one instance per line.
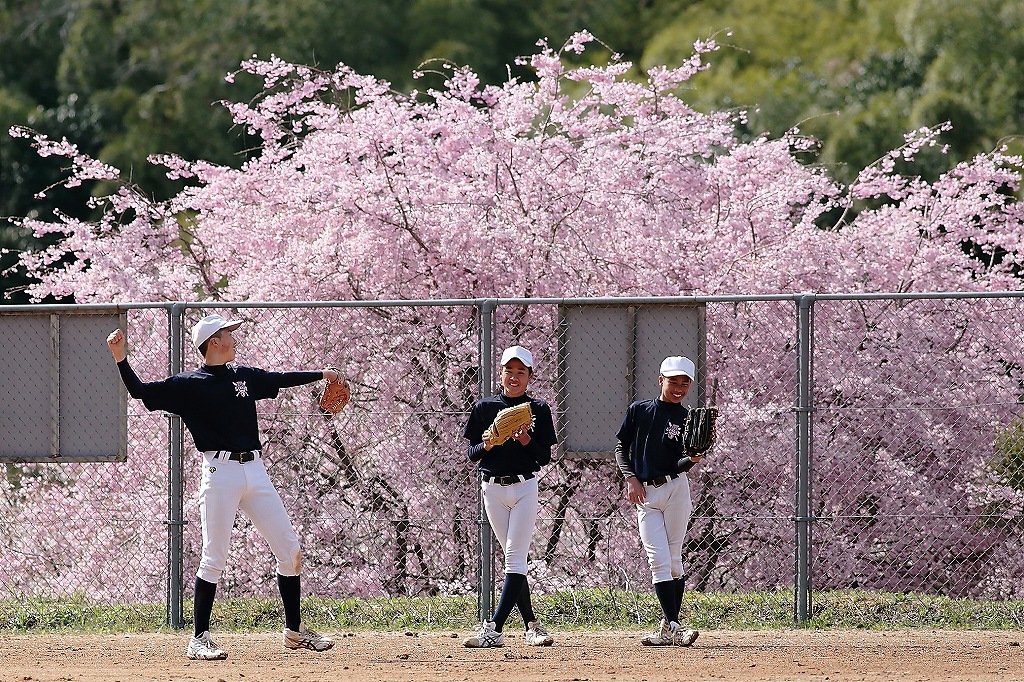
x=906 y=655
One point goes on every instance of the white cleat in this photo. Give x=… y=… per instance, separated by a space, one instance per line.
x=684 y=636
x=304 y=638
x=202 y=648
x=487 y=638
x=664 y=636
x=537 y=635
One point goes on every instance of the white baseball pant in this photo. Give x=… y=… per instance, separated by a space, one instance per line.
x=229 y=486
x=663 y=520
x=512 y=512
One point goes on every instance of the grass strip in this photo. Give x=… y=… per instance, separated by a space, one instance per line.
x=596 y=609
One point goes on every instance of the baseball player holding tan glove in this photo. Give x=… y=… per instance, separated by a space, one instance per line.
x=508 y=480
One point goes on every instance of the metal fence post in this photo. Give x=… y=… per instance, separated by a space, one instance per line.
x=175 y=487
x=486 y=586
x=804 y=408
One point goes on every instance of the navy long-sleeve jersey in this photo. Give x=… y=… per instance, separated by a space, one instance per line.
x=650 y=440
x=216 y=403
x=511 y=457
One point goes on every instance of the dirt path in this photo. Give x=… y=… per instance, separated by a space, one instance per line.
x=904 y=655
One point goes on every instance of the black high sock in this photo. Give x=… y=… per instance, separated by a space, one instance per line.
x=509 y=596
x=525 y=605
x=202 y=605
x=680 y=584
x=666 y=591
x=291 y=594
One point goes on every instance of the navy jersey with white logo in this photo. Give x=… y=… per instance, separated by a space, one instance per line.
x=217 y=403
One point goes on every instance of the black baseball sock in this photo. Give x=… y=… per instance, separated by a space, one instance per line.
x=525 y=604
x=680 y=584
x=202 y=605
x=666 y=591
x=509 y=597
x=291 y=593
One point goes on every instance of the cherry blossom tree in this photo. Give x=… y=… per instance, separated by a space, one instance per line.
x=584 y=181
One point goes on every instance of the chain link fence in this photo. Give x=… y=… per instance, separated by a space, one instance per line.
x=898 y=469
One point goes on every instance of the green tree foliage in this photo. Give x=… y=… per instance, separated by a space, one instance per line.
x=30 y=36
x=157 y=70
x=858 y=74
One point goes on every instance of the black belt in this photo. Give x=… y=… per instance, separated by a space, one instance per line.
x=508 y=480
x=659 y=481
x=240 y=457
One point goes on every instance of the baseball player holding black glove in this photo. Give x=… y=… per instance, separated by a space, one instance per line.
x=217 y=403
x=509 y=484
x=651 y=454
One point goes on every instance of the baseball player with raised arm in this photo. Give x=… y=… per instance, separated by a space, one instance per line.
x=509 y=485
x=651 y=455
x=217 y=403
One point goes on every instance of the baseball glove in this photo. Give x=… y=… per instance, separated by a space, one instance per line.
x=509 y=421
x=699 y=434
x=336 y=394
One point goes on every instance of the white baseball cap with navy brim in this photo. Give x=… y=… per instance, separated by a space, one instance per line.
x=519 y=353
x=210 y=325
x=677 y=365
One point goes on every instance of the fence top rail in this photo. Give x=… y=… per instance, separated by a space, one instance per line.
x=917 y=295
x=489 y=302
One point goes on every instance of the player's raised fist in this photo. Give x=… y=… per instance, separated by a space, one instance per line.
x=115 y=341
